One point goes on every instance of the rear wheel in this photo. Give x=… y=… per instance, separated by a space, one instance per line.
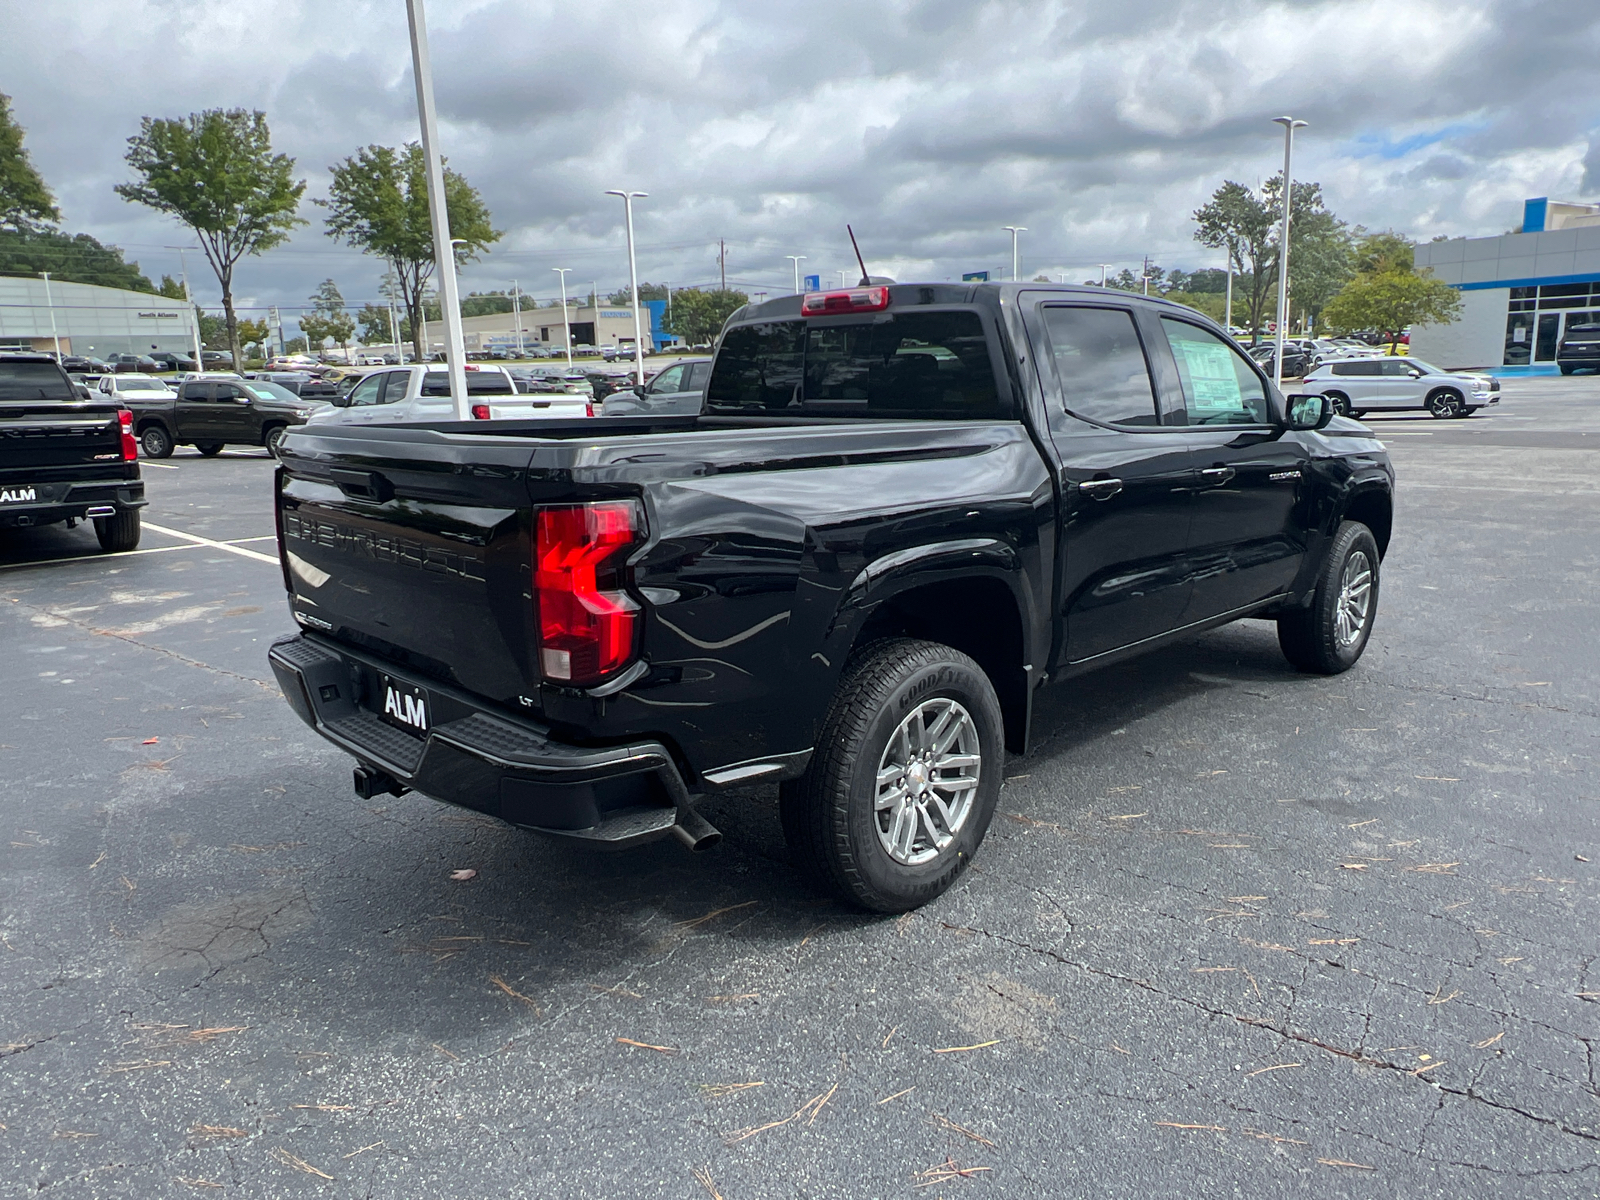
x=120 y=532
x=155 y=442
x=272 y=437
x=905 y=779
x=1445 y=403
x=1340 y=402
x=1567 y=369
x=1330 y=635
x=209 y=449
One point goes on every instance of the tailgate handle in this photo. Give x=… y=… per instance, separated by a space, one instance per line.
x=363 y=485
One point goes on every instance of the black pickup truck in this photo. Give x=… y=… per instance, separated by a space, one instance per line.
x=211 y=413
x=63 y=458
x=900 y=511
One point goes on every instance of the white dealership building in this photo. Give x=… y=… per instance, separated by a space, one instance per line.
x=1520 y=292
x=90 y=320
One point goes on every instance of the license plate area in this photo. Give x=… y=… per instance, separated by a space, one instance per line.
x=404 y=705
x=21 y=493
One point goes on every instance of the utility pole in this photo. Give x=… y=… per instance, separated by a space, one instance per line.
x=566 y=314
x=276 y=318
x=516 y=313
x=1290 y=124
x=1145 y=275
x=443 y=251
x=722 y=262
x=51 y=305
x=797 y=259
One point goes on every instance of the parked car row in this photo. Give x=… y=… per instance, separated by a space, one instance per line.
x=1360 y=386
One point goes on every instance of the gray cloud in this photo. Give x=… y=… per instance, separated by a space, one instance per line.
x=925 y=123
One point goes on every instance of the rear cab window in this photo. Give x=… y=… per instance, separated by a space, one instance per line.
x=34 y=381
x=896 y=365
x=1100 y=364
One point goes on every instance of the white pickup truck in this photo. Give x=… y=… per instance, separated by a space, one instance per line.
x=422 y=393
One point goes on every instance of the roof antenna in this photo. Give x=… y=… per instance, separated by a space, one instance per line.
x=865 y=279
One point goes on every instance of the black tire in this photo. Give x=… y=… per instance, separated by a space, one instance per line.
x=271 y=436
x=1566 y=369
x=1310 y=637
x=1444 y=403
x=209 y=449
x=1341 y=403
x=830 y=818
x=118 y=533
x=155 y=442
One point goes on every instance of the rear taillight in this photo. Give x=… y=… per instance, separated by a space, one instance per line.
x=587 y=623
x=130 y=444
x=480 y=412
x=588 y=408
x=866 y=299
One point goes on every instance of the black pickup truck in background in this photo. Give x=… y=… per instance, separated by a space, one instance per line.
x=63 y=458
x=900 y=511
x=210 y=413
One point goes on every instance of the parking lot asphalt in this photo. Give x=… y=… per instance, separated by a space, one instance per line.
x=1234 y=931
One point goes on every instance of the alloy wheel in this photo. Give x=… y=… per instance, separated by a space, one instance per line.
x=1355 y=599
x=927 y=781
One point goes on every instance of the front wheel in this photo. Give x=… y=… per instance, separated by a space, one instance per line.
x=1340 y=402
x=1328 y=636
x=1444 y=404
x=905 y=779
x=118 y=533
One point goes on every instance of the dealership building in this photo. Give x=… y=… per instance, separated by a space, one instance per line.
x=1520 y=292
x=88 y=319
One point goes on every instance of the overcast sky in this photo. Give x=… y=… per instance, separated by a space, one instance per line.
x=927 y=124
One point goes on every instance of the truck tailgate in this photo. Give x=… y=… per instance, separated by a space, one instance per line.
x=405 y=547
x=37 y=436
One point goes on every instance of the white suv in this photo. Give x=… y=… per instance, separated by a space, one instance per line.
x=1360 y=386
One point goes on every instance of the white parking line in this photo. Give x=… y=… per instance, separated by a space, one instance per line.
x=50 y=562
x=145 y=462
x=215 y=545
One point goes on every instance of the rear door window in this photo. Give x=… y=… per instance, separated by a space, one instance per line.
x=1101 y=365
x=917 y=364
x=698 y=374
x=1219 y=386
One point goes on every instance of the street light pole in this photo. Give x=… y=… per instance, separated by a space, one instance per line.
x=633 y=282
x=443 y=250
x=51 y=305
x=566 y=314
x=1290 y=124
x=797 y=260
x=516 y=313
x=194 y=316
x=1227 y=307
x=1015 y=229
x=1104 y=267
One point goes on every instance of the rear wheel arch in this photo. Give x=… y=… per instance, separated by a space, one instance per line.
x=978 y=615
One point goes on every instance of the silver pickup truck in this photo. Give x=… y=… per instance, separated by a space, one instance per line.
x=419 y=393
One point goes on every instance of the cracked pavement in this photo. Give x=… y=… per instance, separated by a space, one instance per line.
x=1233 y=931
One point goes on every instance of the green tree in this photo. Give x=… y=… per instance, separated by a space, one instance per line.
x=1235 y=219
x=24 y=198
x=624 y=296
x=378 y=201
x=328 y=319
x=374 y=322
x=69 y=257
x=1390 y=301
x=249 y=331
x=1211 y=304
x=483 y=304
x=215 y=172
x=171 y=288
x=698 y=315
x=1376 y=253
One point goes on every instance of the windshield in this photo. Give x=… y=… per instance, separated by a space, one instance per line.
x=262 y=390
x=34 y=381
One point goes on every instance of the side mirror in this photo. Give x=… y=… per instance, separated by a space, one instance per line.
x=1414 y=374
x=1304 y=413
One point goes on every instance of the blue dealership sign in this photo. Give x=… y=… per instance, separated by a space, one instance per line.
x=975 y=277
x=813 y=283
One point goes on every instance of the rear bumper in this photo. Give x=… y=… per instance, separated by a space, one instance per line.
x=480 y=758
x=63 y=500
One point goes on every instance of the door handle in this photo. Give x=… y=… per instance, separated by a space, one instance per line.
x=1216 y=475
x=1100 y=489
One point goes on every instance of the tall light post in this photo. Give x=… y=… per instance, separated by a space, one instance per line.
x=194 y=316
x=566 y=314
x=797 y=259
x=516 y=313
x=443 y=247
x=1104 y=267
x=633 y=281
x=394 y=321
x=1015 y=229
x=1227 y=305
x=1290 y=124
x=51 y=305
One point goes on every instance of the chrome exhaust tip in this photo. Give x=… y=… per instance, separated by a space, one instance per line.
x=694 y=831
